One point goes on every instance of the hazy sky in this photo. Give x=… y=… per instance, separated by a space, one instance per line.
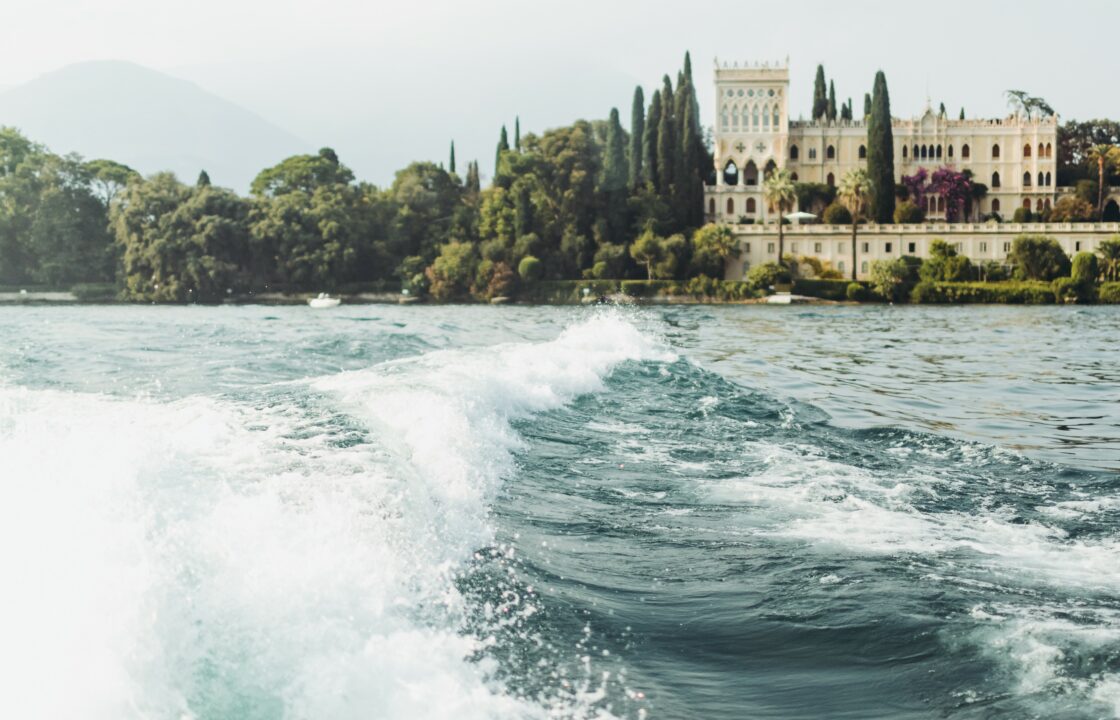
x=354 y=73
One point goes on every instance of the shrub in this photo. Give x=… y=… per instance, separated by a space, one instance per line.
x=1084 y=269
x=530 y=269
x=892 y=278
x=944 y=264
x=908 y=213
x=1022 y=215
x=1065 y=290
x=1109 y=293
x=856 y=292
x=94 y=292
x=1038 y=257
x=761 y=277
x=837 y=214
x=645 y=288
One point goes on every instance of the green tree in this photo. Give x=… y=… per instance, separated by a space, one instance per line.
x=880 y=151
x=866 y=105
x=503 y=146
x=831 y=110
x=666 y=142
x=517 y=133
x=779 y=193
x=109 y=178
x=944 y=264
x=451 y=274
x=712 y=246
x=1084 y=269
x=1110 y=258
x=530 y=269
x=451 y=159
x=856 y=187
x=615 y=179
x=1038 y=257
x=203 y=179
x=1070 y=208
x=648 y=250
x=637 y=131
x=820 y=95
x=962 y=114
x=1103 y=155
x=650 y=140
x=302 y=173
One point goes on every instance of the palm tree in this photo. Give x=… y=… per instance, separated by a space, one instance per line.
x=1110 y=257
x=1102 y=154
x=854 y=191
x=779 y=193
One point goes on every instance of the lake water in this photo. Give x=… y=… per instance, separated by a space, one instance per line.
x=476 y=512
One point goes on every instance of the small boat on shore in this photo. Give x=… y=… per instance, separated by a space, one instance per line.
x=324 y=301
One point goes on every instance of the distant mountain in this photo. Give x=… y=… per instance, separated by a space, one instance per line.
x=147 y=120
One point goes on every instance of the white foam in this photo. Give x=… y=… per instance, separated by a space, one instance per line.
x=165 y=559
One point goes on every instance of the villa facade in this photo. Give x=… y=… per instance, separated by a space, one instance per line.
x=1016 y=156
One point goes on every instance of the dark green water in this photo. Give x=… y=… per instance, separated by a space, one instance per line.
x=461 y=512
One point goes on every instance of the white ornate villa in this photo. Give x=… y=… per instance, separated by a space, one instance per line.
x=1016 y=157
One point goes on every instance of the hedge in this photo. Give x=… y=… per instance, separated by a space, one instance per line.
x=1026 y=292
x=818 y=288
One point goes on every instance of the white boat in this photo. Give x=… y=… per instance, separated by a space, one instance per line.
x=324 y=301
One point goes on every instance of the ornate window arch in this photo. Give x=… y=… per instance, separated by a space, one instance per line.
x=724 y=120
x=1048 y=180
x=905 y=149
x=1041 y=150
x=766 y=117
x=830 y=153
x=925 y=152
x=1026 y=179
x=939 y=151
x=754 y=116
x=731 y=206
x=831 y=180
x=1049 y=150
x=966 y=153
x=950 y=151
x=1027 y=150
x=995 y=205
x=1041 y=180
x=794 y=153
x=751 y=206
x=735 y=116
x=776 y=118
x=995 y=151
x=995 y=179
x=863 y=152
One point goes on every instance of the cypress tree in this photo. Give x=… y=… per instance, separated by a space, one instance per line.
x=517 y=133
x=615 y=178
x=637 y=132
x=522 y=208
x=649 y=139
x=451 y=163
x=666 y=140
x=820 y=95
x=203 y=179
x=880 y=152
x=942 y=112
x=503 y=146
x=866 y=105
x=962 y=113
x=473 y=183
x=831 y=101
x=692 y=179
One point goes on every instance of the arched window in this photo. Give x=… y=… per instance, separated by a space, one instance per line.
x=1026 y=179
x=950 y=151
x=750 y=173
x=812 y=153
x=1027 y=203
x=1041 y=150
x=830 y=153
x=730 y=173
x=925 y=152
x=743 y=117
x=965 y=152
x=1048 y=149
x=995 y=205
x=1047 y=181
x=1046 y=204
x=776 y=117
x=995 y=152
x=735 y=116
x=863 y=152
x=1027 y=150
x=1041 y=179
x=769 y=168
x=711 y=206
x=915 y=152
x=754 y=117
x=931 y=204
x=731 y=207
x=939 y=151
x=831 y=180
x=1038 y=205
x=766 y=117
x=995 y=179
x=724 y=121
x=793 y=177
x=751 y=207
x=905 y=148
x=793 y=152
x=940 y=203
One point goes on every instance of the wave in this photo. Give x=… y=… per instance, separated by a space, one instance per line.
x=294 y=556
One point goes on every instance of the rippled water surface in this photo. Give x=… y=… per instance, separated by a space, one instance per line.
x=474 y=512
